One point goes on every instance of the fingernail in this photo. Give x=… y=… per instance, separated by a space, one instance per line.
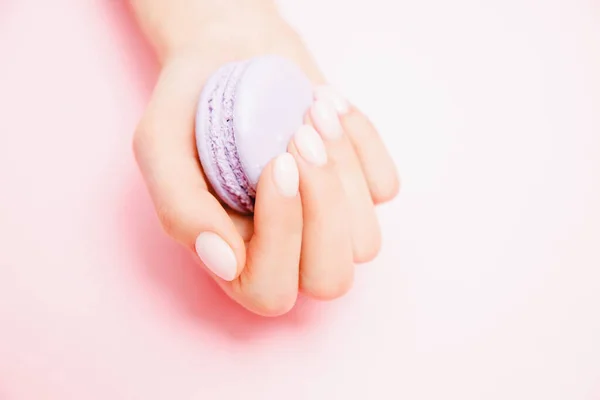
x=339 y=102
x=310 y=145
x=285 y=175
x=326 y=119
x=216 y=254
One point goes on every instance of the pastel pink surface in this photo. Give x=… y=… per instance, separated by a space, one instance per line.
x=488 y=284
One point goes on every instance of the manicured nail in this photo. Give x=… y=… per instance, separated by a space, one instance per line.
x=310 y=145
x=326 y=119
x=285 y=175
x=216 y=254
x=339 y=102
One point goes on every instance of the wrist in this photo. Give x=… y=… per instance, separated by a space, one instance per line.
x=192 y=27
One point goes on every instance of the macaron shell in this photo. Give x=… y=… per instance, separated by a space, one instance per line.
x=271 y=100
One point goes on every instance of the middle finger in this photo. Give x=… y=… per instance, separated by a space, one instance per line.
x=326 y=268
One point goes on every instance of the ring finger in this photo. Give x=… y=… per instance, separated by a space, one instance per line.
x=364 y=226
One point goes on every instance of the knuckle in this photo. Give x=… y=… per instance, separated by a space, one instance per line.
x=140 y=140
x=366 y=241
x=268 y=284
x=367 y=251
x=275 y=304
x=169 y=220
x=328 y=288
x=386 y=190
x=144 y=137
x=395 y=187
x=270 y=301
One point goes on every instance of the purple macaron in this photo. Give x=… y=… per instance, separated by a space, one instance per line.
x=247 y=114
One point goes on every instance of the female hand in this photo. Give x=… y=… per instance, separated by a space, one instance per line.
x=314 y=214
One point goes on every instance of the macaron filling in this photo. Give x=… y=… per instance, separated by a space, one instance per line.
x=246 y=115
x=222 y=141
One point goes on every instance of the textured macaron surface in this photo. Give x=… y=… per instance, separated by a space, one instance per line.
x=247 y=114
x=271 y=100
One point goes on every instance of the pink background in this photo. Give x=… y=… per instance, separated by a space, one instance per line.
x=488 y=286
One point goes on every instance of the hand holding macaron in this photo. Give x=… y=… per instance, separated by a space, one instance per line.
x=271 y=183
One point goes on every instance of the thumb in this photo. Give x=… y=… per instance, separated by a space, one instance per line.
x=165 y=151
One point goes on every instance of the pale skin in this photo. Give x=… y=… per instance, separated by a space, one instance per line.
x=314 y=220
